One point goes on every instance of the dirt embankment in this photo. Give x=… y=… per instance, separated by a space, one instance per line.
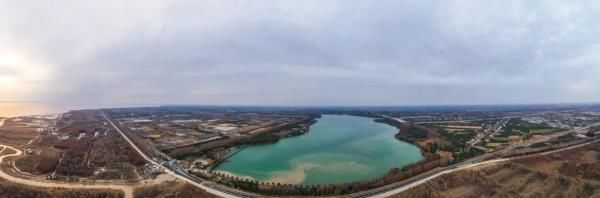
x=9 y=189
x=35 y=188
x=172 y=189
x=582 y=162
x=267 y=135
x=571 y=173
x=426 y=139
x=505 y=180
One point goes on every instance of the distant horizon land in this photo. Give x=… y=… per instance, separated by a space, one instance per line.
x=27 y=108
x=133 y=105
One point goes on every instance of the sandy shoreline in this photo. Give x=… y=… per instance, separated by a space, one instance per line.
x=234 y=175
x=294 y=176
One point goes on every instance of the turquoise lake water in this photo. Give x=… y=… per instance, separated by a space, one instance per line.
x=337 y=149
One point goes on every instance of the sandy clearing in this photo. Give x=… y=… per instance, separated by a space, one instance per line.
x=162 y=178
x=590 y=156
x=461 y=191
x=170 y=172
x=462 y=127
x=294 y=176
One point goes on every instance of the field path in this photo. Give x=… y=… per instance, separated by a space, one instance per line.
x=395 y=191
x=128 y=190
x=211 y=189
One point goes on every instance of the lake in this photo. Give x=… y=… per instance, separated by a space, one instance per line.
x=337 y=149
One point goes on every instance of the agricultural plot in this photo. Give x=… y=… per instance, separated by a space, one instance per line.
x=38 y=162
x=81 y=145
x=572 y=173
x=518 y=126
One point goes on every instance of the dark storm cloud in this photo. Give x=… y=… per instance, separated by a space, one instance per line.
x=316 y=52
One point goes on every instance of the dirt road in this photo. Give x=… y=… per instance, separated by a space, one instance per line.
x=213 y=190
x=471 y=165
x=128 y=190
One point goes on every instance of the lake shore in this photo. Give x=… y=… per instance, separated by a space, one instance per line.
x=231 y=153
x=343 y=139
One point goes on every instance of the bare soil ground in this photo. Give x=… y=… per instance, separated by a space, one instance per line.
x=82 y=145
x=7 y=152
x=171 y=189
x=580 y=163
x=572 y=173
x=13 y=132
x=39 y=161
x=8 y=189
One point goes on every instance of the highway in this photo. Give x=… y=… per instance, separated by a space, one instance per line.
x=384 y=191
x=392 y=189
x=177 y=172
x=400 y=120
x=548 y=137
x=418 y=180
x=483 y=119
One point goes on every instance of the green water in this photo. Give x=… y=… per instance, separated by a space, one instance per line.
x=337 y=149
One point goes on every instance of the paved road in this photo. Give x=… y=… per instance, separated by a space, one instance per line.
x=460 y=121
x=396 y=119
x=229 y=193
x=128 y=190
x=176 y=172
x=550 y=136
x=424 y=178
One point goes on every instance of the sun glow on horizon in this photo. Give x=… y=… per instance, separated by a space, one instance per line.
x=20 y=76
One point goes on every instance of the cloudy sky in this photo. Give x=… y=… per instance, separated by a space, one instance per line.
x=388 y=52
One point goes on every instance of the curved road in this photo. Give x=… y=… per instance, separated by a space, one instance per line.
x=424 y=178
x=209 y=188
x=228 y=193
x=127 y=190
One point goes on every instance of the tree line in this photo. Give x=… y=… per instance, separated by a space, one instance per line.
x=279 y=189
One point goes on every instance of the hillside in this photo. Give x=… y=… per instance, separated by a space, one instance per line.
x=571 y=173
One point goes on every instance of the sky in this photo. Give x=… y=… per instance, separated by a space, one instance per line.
x=305 y=52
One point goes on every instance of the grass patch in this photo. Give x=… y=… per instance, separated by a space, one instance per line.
x=544 y=130
x=493 y=144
